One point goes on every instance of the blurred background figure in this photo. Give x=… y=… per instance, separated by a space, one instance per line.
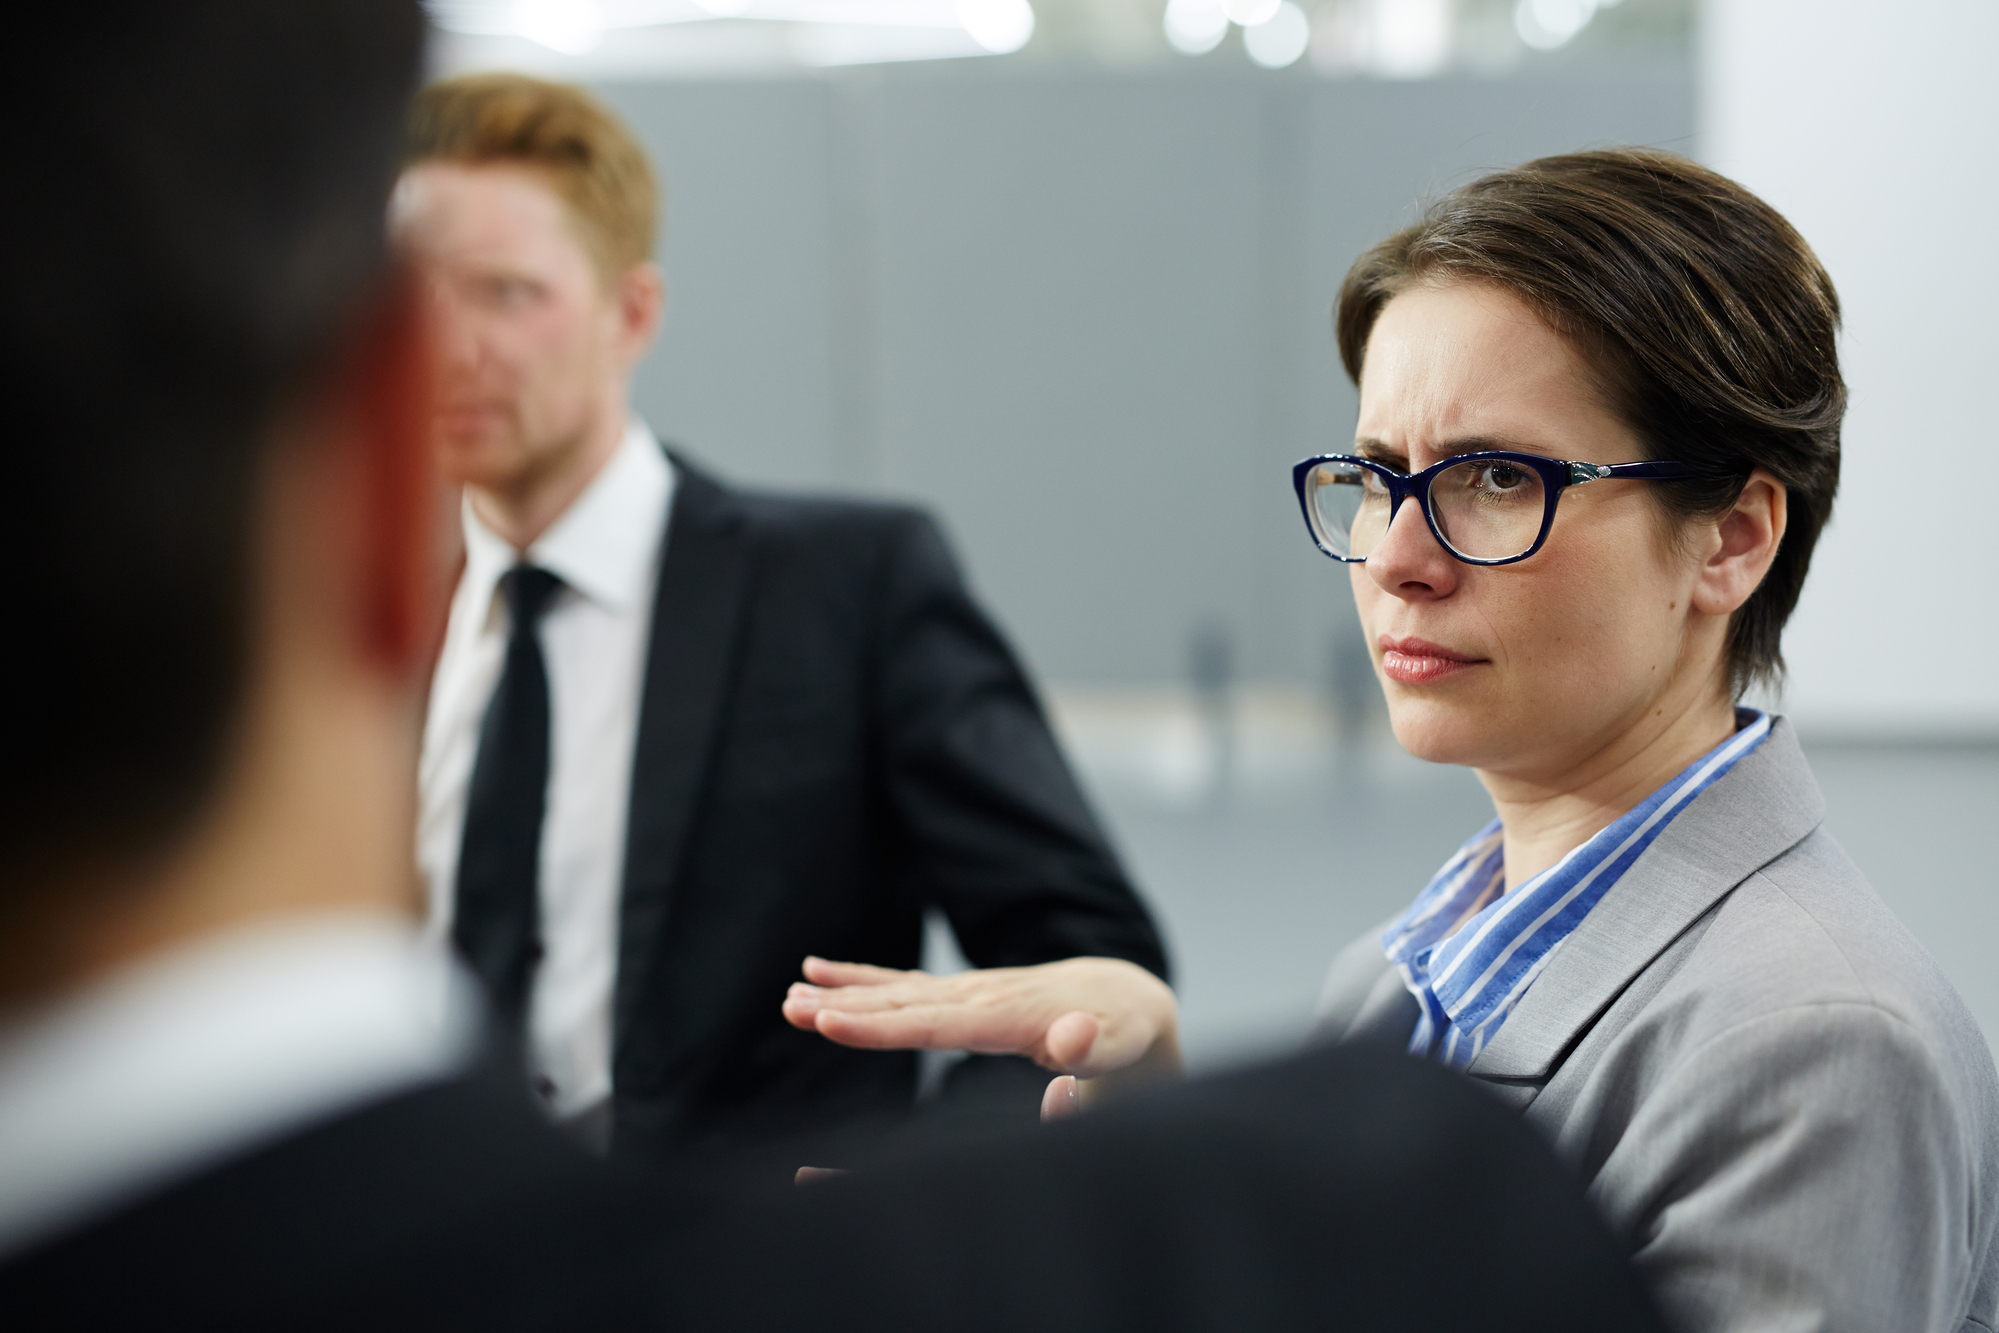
x=683 y=735
x=1076 y=296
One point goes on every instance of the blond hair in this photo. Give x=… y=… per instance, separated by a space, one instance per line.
x=589 y=156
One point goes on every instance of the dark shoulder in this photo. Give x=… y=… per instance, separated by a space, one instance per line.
x=1262 y=1199
x=839 y=536
x=805 y=516
x=448 y=1201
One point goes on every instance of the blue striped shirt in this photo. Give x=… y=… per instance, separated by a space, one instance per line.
x=1468 y=950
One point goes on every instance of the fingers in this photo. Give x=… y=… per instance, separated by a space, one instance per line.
x=826 y=972
x=1086 y=1016
x=929 y=1027
x=1061 y=1100
x=1069 y=1040
x=867 y=999
x=902 y=1030
x=801 y=1011
x=860 y=987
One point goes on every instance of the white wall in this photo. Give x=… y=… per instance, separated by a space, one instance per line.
x=1870 y=124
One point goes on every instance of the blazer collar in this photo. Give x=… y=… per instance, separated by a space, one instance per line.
x=696 y=630
x=1766 y=805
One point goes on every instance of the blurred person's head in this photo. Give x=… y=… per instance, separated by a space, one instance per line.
x=1604 y=307
x=215 y=406
x=533 y=211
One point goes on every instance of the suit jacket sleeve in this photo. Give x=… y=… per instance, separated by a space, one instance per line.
x=1804 y=1169
x=995 y=830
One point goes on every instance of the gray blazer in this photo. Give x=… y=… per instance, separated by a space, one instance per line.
x=1763 y=1078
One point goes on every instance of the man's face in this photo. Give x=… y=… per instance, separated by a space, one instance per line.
x=535 y=349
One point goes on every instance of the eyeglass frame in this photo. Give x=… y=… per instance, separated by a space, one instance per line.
x=1556 y=474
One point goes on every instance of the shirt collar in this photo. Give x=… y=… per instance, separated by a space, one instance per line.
x=605 y=545
x=1468 y=950
x=195 y=1054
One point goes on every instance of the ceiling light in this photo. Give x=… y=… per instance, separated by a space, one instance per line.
x=1281 y=39
x=1250 y=13
x=998 y=25
x=1195 y=27
x=1547 y=24
x=569 y=26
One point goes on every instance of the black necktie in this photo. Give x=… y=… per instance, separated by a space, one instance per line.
x=496 y=925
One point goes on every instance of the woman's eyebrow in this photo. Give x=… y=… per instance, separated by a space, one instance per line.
x=1491 y=443
x=1380 y=452
x=1470 y=444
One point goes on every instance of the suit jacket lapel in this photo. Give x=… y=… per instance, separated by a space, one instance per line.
x=697 y=615
x=1764 y=806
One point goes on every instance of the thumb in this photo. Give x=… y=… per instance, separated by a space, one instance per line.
x=1062 y=1100
x=1069 y=1039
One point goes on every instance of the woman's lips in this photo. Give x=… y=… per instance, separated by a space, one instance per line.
x=1419 y=662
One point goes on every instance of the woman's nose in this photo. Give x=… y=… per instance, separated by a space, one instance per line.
x=1409 y=562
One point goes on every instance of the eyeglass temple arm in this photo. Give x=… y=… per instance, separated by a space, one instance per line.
x=1581 y=473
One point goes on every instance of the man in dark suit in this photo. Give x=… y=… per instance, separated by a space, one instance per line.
x=684 y=735
x=236 y=1092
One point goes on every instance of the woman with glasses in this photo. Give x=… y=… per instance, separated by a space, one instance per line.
x=1598 y=436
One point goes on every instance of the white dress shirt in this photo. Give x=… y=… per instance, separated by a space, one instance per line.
x=205 y=1051
x=606 y=549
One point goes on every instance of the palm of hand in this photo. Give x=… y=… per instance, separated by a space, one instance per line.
x=1084 y=1016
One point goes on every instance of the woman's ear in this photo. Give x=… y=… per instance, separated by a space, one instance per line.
x=1745 y=541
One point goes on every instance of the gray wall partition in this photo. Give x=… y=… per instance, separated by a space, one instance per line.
x=1084 y=315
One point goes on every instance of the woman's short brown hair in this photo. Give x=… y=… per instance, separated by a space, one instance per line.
x=589 y=156
x=1706 y=317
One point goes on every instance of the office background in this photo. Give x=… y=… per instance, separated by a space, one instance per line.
x=1076 y=297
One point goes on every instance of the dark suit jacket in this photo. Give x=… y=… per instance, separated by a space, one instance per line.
x=1346 y=1189
x=1350 y=1189
x=833 y=737
x=451 y=1207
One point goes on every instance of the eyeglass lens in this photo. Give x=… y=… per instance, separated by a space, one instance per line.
x=1487 y=509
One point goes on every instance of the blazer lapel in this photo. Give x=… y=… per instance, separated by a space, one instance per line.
x=697 y=617
x=1764 y=806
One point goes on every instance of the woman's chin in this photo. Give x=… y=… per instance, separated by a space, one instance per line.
x=1440 y=734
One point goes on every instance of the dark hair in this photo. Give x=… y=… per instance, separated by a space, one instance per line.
x=200 y=191
x=1707 y=318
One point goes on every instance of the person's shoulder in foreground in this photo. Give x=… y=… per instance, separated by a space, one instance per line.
x=1281 y=1198
x=450 y=1205
x=1350 y=1188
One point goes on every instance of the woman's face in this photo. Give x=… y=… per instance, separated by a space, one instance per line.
x=1530 y=669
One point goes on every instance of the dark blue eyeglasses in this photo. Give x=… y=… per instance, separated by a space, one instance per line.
x=1487 y=508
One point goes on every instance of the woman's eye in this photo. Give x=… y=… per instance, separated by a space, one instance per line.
x=1503 y=476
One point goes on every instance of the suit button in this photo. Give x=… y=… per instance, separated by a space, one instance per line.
x=544 y=1087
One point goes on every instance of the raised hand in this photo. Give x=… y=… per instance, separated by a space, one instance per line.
x=1085 y=1016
